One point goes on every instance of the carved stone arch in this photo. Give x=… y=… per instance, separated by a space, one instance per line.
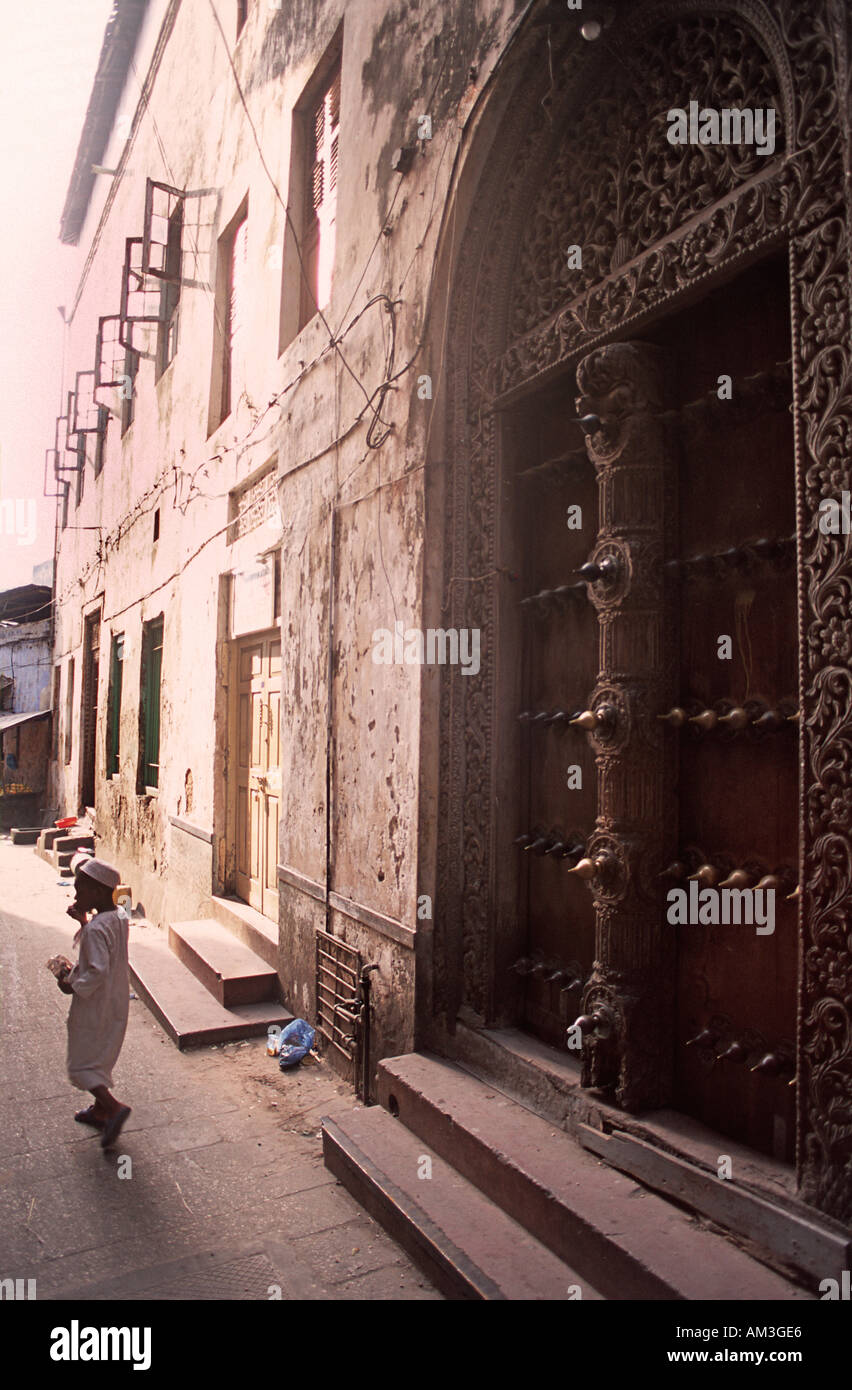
x=797 y=201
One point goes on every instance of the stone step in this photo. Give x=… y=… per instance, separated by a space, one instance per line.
x=670 y=1152
x=53 y=843
x=248 y=925
x=187 y=1011
x=624 y=1240
x=462 y=1241
x=24 y=835
x=232 y=972
x=46 y=839
x=790 y=1233
x=62 y=850
x=69 y=844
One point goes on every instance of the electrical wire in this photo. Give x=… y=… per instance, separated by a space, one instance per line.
x=374 y=440
x=332 y=341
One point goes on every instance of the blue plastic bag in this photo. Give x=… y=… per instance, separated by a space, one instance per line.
x=297 y=1039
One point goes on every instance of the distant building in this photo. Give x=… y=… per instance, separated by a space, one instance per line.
x=43 y=573
x=25 y=723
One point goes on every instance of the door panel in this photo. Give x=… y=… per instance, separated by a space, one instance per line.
x=91 y=659
x=242 y=837
x=738 y=791
x=559 y=667
x=730 y=620
x=258 y=750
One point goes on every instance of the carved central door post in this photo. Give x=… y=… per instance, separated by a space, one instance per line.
x=628 y=1003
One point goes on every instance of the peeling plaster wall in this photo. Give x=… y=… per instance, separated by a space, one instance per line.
x=352 y=516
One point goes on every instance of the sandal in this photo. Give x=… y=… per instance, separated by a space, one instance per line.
x=88 y=1117
x=114 y=1126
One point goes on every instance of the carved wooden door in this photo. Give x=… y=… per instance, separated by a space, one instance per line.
x=666 y=584
x=732 y=586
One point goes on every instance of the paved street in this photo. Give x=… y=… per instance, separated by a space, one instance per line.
x=227 y=1195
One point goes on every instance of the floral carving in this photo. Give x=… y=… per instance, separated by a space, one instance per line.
x=618 y=184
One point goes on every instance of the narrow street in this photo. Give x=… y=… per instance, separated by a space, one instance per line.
x=426 y=613
x=225 y=1195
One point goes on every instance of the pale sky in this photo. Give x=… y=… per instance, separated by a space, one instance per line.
x=48 y=59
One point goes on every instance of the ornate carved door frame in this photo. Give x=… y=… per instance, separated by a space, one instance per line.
x=660 y=238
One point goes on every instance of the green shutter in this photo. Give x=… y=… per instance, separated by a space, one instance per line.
x=151 y=704
x=116 y=670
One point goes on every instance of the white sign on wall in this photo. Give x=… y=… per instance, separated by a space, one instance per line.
x=253 y=598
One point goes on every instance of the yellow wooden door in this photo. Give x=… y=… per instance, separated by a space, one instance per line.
x=258 y=768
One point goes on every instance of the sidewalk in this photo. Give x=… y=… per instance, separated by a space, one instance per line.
x=225 y=1195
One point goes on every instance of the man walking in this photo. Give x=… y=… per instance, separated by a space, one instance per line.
x=100 y=984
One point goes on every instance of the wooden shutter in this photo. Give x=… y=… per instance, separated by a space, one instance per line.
x=235 y=316
x=116 y=674
x=151 y=704
x=322 y=170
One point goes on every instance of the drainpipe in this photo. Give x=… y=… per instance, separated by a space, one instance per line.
x=365 y=1032
x=329 y=727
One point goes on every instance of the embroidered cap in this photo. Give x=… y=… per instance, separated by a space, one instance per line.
x=79 y=857
x=103 y=873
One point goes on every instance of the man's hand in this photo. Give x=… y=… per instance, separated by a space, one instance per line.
x=62 y=981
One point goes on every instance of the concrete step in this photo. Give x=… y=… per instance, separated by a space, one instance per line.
x=465 y=1244
x=187 y=1011
x=623 y=1239
x=248 y=925
x=669 y=1152
x=69 y=843
x=62 y=850
x=23 y=835
x=229 y=970
x=53 y=842
x=46 y=839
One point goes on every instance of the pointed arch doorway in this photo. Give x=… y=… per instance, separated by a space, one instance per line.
x=691 y=259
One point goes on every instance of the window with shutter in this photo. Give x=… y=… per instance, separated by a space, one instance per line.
x=116 y=674
x=152 y=663
x=167 y=338
x=69 y=709
x=54 y=718
x=322 y=170
x=233 y=374
x=128 y=394
x=81 y=468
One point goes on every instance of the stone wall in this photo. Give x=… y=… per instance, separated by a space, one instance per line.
x=347 y=426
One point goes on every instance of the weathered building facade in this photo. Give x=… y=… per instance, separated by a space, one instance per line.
x=25 y=725
x=359 y=270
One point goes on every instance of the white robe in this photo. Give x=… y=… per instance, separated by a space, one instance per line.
x=97 y=1019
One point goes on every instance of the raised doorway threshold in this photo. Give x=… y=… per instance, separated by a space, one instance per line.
x=664 y=1150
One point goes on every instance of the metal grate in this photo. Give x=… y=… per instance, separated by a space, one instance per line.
x=338 y=973
x=247 y=1278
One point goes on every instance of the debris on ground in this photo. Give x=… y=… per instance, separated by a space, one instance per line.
x=295 y=1042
